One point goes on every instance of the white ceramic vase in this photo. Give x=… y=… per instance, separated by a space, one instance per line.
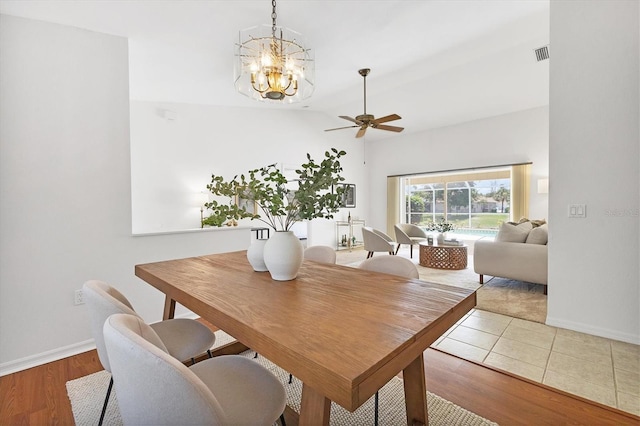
x=283 y=254
x=255 y=255
x=441 y=237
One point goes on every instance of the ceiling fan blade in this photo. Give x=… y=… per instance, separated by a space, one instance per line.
x=340 y=128
x=359 y=123
x=361 y=131
x=390 y=128
x=386 y=118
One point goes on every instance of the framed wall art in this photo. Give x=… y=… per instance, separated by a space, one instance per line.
x=249 y=205
x=349 y=195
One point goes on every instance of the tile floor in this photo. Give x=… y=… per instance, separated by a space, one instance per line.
x=599 y=369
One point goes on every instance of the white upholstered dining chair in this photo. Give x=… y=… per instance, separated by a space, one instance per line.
x=393 y=265
x=184 y=338
x=376 y=241
x=324 y=254
x=407 y=233
x=154 y=388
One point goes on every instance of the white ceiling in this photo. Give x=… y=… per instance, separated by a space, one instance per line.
x=435 y=62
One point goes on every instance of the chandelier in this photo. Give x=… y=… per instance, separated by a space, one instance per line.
x=272 y=63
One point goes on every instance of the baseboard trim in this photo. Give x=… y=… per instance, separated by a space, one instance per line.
x=57 y=354
x=46 y=357
x=596 y=331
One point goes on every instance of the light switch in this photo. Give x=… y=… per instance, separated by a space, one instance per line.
x=578 y=210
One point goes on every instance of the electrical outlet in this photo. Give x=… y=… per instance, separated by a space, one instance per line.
x=78 y=298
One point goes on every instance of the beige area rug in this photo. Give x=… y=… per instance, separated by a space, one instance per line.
x=513 y=298
x=87 y=395
x=499 y=295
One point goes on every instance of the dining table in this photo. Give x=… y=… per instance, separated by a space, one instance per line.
x=343 y=331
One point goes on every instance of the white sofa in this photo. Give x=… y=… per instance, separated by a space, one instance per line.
x=519 y=252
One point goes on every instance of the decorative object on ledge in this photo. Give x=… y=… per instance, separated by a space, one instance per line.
x=203 y=198
x=280 y=206
x=272 y=63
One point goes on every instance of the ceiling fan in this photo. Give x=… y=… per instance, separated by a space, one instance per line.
x=367 y=120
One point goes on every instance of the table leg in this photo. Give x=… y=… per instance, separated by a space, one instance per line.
x=169 y=308
x=315 y=408
x=415 y=392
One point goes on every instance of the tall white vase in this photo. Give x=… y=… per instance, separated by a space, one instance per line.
x=255 y=256
x=283 y=254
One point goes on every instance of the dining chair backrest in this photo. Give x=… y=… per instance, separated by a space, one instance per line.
x=394 y=265
x=324 y=254
x=153 y=387
x=103 y=301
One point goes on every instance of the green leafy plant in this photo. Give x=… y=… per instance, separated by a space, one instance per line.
x=279 y=205
x=442 y=226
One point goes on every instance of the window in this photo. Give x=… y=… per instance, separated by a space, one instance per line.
x=478 y=199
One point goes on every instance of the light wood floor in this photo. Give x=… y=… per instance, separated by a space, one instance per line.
x=38 y=396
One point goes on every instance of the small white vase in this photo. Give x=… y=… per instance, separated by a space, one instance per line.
x=283 y=254
x=441 y=237
x=255 y=256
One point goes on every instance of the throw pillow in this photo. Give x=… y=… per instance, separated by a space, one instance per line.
x=538 y=222
x=509 y=233
x=534 y=222
x=538 y=235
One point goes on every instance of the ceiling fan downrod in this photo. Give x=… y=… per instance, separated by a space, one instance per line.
x=364 y=72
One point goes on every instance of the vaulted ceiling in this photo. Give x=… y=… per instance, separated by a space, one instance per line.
x=435 y=63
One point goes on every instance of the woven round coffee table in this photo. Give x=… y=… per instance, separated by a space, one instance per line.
x=443 y=257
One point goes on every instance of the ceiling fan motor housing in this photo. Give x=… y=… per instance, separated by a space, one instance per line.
x=365 y=118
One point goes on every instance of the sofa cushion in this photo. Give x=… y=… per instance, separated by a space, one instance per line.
x=538 y=235
x=510 y=233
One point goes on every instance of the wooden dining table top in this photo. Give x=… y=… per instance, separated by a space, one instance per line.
x=341 y=330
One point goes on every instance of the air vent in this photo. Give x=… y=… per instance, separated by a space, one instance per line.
x=542 y=53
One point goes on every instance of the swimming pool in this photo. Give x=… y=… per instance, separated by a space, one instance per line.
x=475 y=231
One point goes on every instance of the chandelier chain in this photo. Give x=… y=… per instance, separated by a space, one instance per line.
x=273 y=17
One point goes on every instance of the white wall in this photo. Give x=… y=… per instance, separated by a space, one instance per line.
x=594 y=277
x=65 y=212
x=172 y=159
x=506 y=139
x=65 y=187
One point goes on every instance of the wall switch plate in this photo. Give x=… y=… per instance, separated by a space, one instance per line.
x=78 y=298
x=578 y=210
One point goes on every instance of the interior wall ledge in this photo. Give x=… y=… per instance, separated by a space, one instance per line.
x=192 y=231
